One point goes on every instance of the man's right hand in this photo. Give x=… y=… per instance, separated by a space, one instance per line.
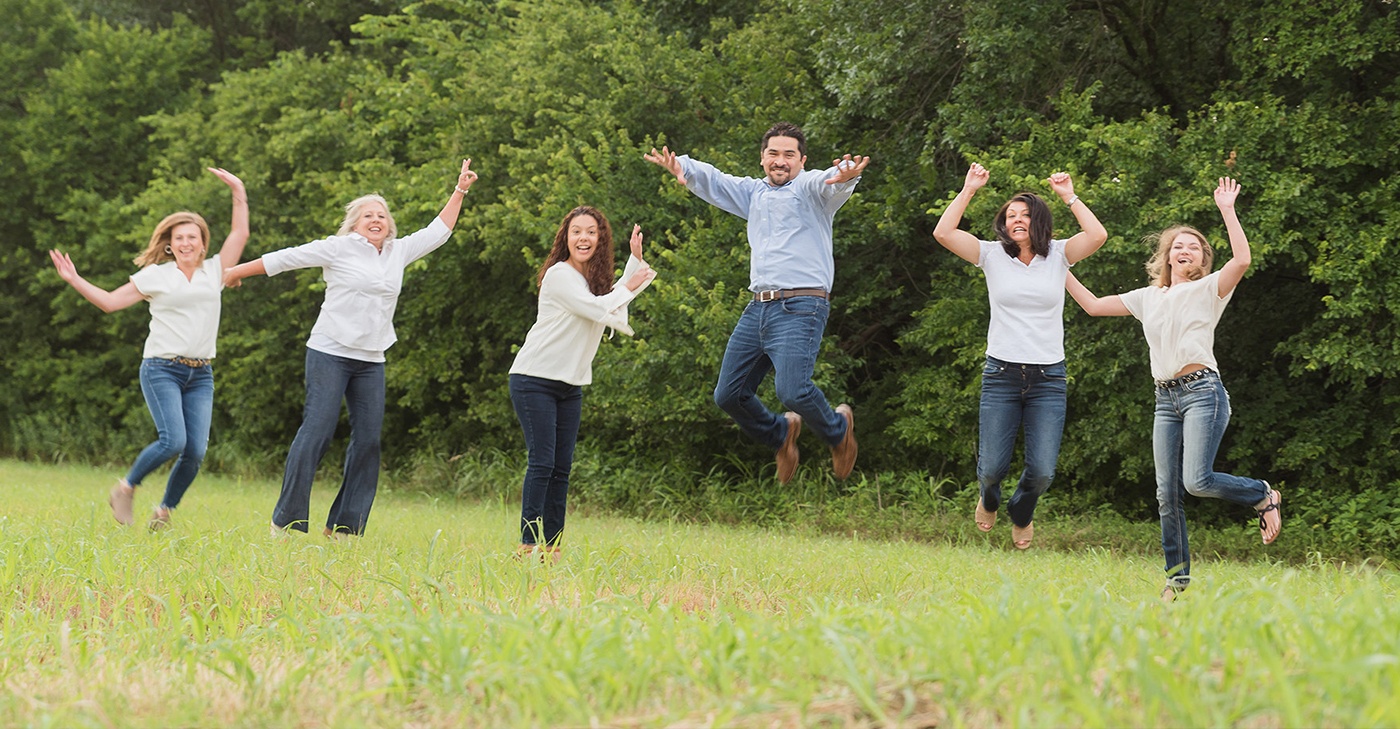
x=666 y=159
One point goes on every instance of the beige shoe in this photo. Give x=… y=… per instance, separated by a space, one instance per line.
x=121 y=500
x=787 y=454
x=843 y=454
x=985 y=519
x=1021 y=536
x=160 y=519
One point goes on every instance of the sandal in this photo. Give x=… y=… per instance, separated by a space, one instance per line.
x=1275 y=504
x=1021 y=536
x=985 y=519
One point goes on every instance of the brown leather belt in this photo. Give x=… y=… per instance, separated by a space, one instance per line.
x=780 y=294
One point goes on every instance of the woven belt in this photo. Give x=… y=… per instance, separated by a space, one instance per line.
x=1188 y=377
x=190 y=361
x=780 y=294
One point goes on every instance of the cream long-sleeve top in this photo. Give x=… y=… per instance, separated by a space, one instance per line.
x=362 y=287
x=569 y=326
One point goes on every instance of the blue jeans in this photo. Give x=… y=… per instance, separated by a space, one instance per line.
x=783 y=336
x=1027 y=398
x=1189 y=422
x=549 y=413
x=181 y=401
x=330 y=379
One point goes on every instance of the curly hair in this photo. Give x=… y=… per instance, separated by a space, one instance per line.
x=598 y=271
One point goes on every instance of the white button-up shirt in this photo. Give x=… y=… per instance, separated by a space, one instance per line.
x=362 y=287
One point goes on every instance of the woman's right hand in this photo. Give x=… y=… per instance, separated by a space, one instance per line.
x=231 y=279
x=977 y=176
x=66 y=270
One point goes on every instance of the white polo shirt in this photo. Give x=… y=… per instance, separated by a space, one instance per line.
x=1179 y=322
x=569 y=326
x=362 y=287
x=184 y=311
x=1027 y=303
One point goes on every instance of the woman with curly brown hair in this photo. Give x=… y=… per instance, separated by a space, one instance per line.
x=578 y=300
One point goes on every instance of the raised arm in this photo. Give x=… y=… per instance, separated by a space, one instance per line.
x=1091 y=304
x=453 y=208
x=1233 y=270
x=232 y=249
x=1091 y=233
x=961 y=242
x=642 y=273
x=108 y=301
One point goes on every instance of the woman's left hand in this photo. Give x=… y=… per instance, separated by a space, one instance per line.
x=465 y=180
x=1062 y=185
x=636 y=242
x=1225 y=193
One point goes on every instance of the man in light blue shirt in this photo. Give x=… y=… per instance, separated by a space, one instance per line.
x=791 y=271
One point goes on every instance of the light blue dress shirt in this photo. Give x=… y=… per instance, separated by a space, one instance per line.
x=789 y=225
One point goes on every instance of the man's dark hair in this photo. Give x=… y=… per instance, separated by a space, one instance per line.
x=785 y=129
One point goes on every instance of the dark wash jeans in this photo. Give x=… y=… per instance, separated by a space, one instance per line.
x=329 y=380
x=549 y=413
x=1027 y=398
x=181 y=401
x=783 y=336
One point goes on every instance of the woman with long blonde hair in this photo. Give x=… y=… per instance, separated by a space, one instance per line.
x=183 y=285
x=1179 y=311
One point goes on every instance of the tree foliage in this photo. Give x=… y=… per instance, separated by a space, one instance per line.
x=114 y=109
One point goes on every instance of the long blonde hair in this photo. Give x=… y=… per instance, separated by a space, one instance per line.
x=352 y=214
x=156 y=250
x=1159 y=272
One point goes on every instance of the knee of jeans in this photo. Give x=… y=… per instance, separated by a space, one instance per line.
x=1038 y=484
x=792 y=393
x=1197 y=485
x=195 y=450
x=727 y=398
x=172 y=443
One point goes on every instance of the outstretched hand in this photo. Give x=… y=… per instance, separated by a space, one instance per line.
x=232 y=280
x=66 y=270
x=1062 y=185
x=467 y=177
x=666 y=159
x=1225 y=193
x=847 y=168
x=976 y=178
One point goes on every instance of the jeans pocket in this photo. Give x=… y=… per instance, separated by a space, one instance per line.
x=1055 y=372
x=805 y=305
x=991 y=369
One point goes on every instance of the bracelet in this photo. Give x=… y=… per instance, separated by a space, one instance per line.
x=458 y=189
x=1072 y=201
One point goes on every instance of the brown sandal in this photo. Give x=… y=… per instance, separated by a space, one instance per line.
x=985 y=519
x=1021 y=536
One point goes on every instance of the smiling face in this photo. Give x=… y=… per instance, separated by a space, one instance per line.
x=1186 y=257
x=583 y=239
x=373 y=223
x=1018 y=223
x=782 y=159
x=187 y=245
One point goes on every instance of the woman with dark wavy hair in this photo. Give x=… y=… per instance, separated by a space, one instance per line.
x=1024 y=377
x=578 y=300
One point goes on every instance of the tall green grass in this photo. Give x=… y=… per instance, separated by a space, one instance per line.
x=430 y=621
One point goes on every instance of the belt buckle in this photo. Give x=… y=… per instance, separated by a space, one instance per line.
x=767 y=296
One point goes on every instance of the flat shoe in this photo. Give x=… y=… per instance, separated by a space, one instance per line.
x=121 y=500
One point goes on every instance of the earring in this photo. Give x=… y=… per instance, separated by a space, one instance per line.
x=169 y=252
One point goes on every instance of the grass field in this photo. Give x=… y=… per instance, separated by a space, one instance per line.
x=429 y=621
